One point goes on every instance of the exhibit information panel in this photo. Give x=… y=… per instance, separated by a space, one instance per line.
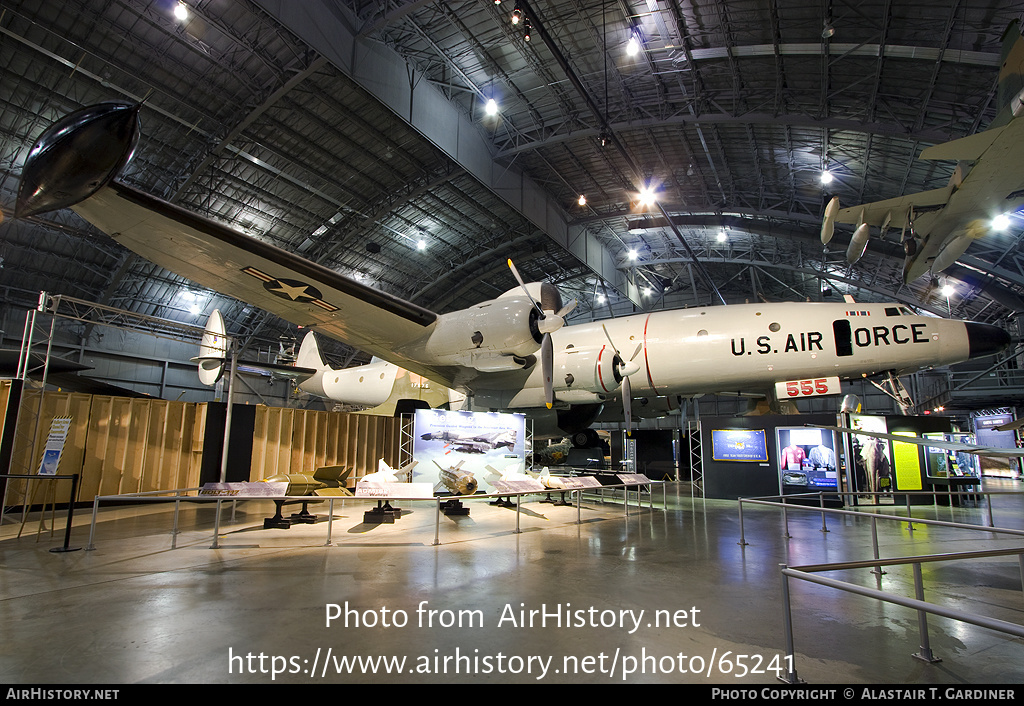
x=486 y=444
x=739 y=445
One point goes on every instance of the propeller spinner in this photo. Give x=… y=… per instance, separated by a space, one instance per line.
x=625 y=368
x=550 y=317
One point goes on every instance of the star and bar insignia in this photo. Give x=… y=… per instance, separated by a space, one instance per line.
x=290 y=289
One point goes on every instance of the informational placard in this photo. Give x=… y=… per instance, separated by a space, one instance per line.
x=633 y=478
x=518 y=486
x=258 y=489
x=54 y=445
x=738 y=445
x=581 y=482
x=406 y=491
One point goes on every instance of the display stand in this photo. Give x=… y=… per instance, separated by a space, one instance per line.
x=453 y=506
x=382 y=514
x=303 y=517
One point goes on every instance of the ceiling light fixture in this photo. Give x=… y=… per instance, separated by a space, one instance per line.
x=828 y=30
x=826 y=177
x=517 y=15
x=421 y=244
x=181 y=12
x=632 y=254
x=492 y=107
x=647 y=197
x=633 y=47
x=1001 y=222
x=526 y=30
x=582 y=200
x=722 y=237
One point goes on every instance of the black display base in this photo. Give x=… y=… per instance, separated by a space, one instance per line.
x=278 y=521
x=382 y=514
x=502 y=502
x=557 y=503
x=454 y=507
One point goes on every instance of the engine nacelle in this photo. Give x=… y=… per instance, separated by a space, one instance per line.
x=499 y=334
x=591 y=369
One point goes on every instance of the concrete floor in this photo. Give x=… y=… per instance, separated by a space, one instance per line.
x=135 y=610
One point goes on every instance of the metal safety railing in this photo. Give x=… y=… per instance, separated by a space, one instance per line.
x=810 y=573
x=923 y=608
x=180 y=495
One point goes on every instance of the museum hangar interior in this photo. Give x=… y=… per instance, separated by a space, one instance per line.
x=643 y=157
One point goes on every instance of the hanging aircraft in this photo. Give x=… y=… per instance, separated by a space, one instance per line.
x=513 y=352
x=937 y=226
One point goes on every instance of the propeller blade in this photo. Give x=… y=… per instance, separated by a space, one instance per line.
x=565 y=310
x=627 y=405
x=515 y=273
x=547 y=365
x=609 y=337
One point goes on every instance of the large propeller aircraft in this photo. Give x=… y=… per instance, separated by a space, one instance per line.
x=514 y=352
x=937 y=226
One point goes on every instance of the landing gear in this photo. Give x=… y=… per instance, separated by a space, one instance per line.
x=894 y=388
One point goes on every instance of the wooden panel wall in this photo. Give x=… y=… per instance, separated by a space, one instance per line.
x=125 y=445
x=300 y=441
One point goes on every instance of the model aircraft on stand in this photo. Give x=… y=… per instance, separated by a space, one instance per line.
x=937 y=226
x=511 y=353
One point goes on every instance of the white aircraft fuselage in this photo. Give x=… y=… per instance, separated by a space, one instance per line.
x=496 y=351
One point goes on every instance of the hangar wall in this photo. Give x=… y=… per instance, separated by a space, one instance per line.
x=127 y=445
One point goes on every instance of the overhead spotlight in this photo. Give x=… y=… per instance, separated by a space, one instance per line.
x=517 y=15
x=421 y=244
x=1001 y=222
x=948 y=290
x=828 y=30
x=194 y=310
x=647 y=197
x=633 y=47
x=497 y=2
x=491 y=108
x=582 y=200
x=722 y=237
x=632 y=254
x=181 y=12
x=526 y=30
x=826 y=177
x=604 y=139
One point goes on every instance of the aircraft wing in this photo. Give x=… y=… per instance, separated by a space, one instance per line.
x=934 y=443
x=896 y=209
x=264 y=275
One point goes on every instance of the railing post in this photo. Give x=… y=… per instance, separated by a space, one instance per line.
x=925 y=654
x=874 y=545
x=787 y=626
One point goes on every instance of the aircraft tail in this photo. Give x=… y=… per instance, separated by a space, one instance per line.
x=309 y=354
x=309 y=357
x=1011 y=75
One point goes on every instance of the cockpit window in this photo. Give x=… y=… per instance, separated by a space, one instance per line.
x=892 y=311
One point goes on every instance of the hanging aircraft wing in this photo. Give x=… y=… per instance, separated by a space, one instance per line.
x=934 y=443
x=894 y=210
x=262 y=274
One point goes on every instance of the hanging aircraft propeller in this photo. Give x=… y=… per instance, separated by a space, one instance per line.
x=624 y=368
x=550 y=317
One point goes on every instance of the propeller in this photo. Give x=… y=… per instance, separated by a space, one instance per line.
x=625 y=368
x=550 y=317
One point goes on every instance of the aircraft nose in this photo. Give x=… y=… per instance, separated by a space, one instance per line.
x=986 y=339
